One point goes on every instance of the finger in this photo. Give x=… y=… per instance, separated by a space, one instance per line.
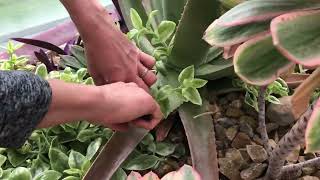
x=146 y=75
x=119 y=127
x=150 y=124
x=142 y=84
x=98 y=81
x=147 y=60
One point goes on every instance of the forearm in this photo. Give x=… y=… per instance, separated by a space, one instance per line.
x=70 y=102
x=88 y=15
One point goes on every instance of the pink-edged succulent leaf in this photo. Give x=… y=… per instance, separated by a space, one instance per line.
x=228 y=52
x=258 y=11
x=258 y=62
x=230 y=35
x=296 y=35
x=313 y=130
x=186 y=172
x=134 y=176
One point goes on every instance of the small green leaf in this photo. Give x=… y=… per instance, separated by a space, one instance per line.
x=120 y=174
x=147 y=139
x=6 y=173
x=20 y=173
x=89 y=81
x=86 y=135
x=93 y=148
x=78 y=52
x=49 y=175
x=81 y=73
x=15 y=158
x=76 y=159
x=187 y=73
x=132 y=33
x=136 y=19
x=165 y=30
x=73 y=172
x=192 y=95
x=58 y=160
x=71 y=178
x=165 y=149
x=38 y=166
x=142 y=162
x=273 y=99
x=151 y=18
x=2 y=160
x=198 y=83
x=42 y=71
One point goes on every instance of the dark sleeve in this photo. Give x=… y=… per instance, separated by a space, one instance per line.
x=24 y=101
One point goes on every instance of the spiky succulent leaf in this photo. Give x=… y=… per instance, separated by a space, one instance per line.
x=258 y=62
x=296 y=35
x=313 y=130
x=189 y=48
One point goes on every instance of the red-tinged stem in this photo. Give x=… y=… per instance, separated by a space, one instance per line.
x=287 y=144
x=262 y=119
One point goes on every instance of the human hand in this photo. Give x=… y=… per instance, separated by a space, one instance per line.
x=121 y=104
x=114 y=58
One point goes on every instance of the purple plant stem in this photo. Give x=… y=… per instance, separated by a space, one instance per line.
x=262 y=119
x=287 y=144
x=289 y=169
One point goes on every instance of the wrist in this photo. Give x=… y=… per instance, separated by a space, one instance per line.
x=70 y=103
x=89 y=13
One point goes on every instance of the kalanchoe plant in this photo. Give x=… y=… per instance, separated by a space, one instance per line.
x=271 y=37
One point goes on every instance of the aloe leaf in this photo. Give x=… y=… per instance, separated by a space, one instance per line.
x=313 y=130
x=200 y=134
x=172 y=10
x=230 y=35
x=213 y=53
x=189 y=48
x=41 y=44
x=216 y=69
x=296 y=35
x=114 y=153
x=257 y=11
x=258 y=62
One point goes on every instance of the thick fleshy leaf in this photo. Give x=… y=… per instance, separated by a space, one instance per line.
x=42 y=71
x=257 y=11
x=142 y=162
x=150 y=176
x=258 y=62
x=189 y=48
x=20 y=173
x=296 y=35
x=200 y=134
x=192 y=95
x=134 y=176
x=172 y=10
x=213 y=53
x=186 y=172
x=216 y=69
x=313 y=130
x=230 y=35
x=136 y=19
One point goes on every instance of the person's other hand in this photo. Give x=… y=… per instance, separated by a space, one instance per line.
x=114 y=58
x=123 y=103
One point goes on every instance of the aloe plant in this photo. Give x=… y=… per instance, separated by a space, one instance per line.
x=182 y=59
x=273 y=37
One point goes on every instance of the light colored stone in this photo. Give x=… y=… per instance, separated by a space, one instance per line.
x=281 y=113
x=309 y=178
x=236 y=158
x=229 y=169
x=231 y=133
x=253 y=172
x=257 y=153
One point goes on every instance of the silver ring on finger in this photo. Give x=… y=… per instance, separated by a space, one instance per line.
x=145 y=72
